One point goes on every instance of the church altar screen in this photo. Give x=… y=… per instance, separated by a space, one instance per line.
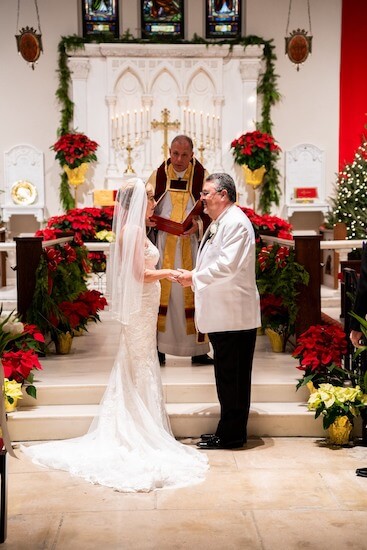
x=122 y=93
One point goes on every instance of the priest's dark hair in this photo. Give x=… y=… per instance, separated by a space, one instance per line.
x=182 y=137
x=224 y=181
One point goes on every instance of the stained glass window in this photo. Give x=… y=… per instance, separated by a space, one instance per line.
x=162 y=18
x=100 y=16
x=223 y=18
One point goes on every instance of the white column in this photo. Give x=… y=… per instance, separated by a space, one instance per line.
x=79 y=68
x=249 y=70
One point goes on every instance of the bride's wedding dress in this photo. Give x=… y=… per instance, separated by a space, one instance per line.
x=130 y=446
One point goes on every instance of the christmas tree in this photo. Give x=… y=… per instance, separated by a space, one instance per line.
x=350 y=204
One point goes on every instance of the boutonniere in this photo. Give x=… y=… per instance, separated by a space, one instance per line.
x=212 y=230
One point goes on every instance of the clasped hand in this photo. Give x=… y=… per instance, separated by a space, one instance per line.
x=184 y=277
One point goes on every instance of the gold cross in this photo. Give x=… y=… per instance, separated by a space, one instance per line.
x=165 y=125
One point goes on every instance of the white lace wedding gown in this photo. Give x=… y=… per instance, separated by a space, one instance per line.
x=130 y=446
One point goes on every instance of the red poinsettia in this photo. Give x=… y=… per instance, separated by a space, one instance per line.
x=320 y=346
x=266 y=223
x=255 y=149
x=74 y=148
x=18 y=364
x=83 y=222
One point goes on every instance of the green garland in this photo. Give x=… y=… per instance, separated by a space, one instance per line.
x=267 y=87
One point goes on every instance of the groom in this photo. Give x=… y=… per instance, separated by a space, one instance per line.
x=227 y=306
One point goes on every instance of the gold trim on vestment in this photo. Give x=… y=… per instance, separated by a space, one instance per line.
x=179 y=205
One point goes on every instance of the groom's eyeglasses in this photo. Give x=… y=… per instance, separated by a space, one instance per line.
x=206 y=193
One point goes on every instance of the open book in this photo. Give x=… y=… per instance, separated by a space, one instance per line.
x=176 y=228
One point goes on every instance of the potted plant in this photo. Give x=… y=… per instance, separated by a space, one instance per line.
x=75 y=151
x=255 y=151
x=320 y=351
x=268 y=225
x=339 y=406
x=12 y=391
x=19 y=347
x=278 y=276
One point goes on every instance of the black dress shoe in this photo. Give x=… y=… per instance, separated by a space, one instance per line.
x=216 y=443
x=162 y=358
x=205 y=437
x=361 y=472
x=201 y=360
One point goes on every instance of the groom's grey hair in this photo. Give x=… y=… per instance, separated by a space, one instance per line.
x=224 y=181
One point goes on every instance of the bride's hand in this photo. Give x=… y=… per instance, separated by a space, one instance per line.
x=172 y=274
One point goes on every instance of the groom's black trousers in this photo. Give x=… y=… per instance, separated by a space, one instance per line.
x=233 y=355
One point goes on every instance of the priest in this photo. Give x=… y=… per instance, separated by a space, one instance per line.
x=178 y=183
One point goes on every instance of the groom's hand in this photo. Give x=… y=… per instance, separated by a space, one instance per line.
x=185 y=277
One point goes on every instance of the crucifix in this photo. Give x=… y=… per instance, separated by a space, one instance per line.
x=165 y=125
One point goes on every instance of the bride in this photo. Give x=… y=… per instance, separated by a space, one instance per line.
x=130 y=446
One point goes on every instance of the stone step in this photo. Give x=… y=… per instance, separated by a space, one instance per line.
x=91 y=394
x=187 y=420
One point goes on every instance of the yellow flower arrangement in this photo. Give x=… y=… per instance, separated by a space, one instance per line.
x=334 y=401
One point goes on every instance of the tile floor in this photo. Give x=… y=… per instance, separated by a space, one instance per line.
x=291 y=493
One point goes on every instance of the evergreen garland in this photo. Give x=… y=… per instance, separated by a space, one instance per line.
x=350 y=203
x=267 y=88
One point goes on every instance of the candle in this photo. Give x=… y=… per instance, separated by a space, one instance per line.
x=122 y=129
x=184 y=120
x=141 y=123
x=218 y=129
x=201 y=125
x=128 y=123
x=207 y=128
x=213 y=123
x=135 y=121
x=113 y=137
x=147 y=120
x=189 y=121
x=194 y=122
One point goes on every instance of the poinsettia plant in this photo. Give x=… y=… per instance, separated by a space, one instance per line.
x=74 y=148
x=332 y=401
x=278 y=276
x=255 y=149
x=20 y=344
x=320 y=350
x=266 y=223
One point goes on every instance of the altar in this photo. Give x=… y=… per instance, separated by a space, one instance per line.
x=134 y=98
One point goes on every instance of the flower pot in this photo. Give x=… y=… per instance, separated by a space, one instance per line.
x=76 y=176
x=78 y=332
x=276 y=340
x=254 y=177
x=339 y=431
x=11 y=407
x=311 y=388
x=63 y=343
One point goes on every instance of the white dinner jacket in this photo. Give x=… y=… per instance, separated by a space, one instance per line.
x=226 y=295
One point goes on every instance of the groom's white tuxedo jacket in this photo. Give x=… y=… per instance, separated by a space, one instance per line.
x=226 y=296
